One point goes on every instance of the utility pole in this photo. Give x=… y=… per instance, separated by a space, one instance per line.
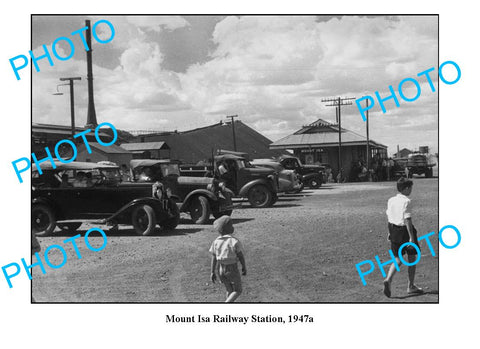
x=338 y=102
x=72 y=100
x=368 y=143
x=233 y=130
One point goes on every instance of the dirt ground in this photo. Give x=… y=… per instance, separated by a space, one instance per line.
x=304 y=249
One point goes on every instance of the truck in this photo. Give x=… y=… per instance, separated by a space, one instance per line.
x=311 y=175
x=258 y=184
x=416 y=163
x=199 y=197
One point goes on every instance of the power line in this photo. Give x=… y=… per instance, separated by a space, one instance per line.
x=233 y=130
x=337 y=102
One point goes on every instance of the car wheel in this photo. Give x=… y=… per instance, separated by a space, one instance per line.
x=199 y=209
x=172 y=222
x=429 y=173
x=69 y=227
x=314 y=183
x=43 y=220
x=260 y=196
x=143 y=220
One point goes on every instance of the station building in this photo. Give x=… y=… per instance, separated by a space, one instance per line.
x=318 y=143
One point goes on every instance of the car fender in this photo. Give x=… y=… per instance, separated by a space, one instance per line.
x=154 y=203
x=203 y=192
x=45 y=201
x=246 y=188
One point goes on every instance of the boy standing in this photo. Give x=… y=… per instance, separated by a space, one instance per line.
x=226 y=251
x=401 y=230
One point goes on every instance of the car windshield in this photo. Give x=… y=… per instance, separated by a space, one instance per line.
x=170 y=170
x=75 y=178
x=242 y=163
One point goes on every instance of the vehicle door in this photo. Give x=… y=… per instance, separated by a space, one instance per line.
x=108 y=194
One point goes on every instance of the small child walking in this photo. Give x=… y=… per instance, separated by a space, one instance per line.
x=226 y=252
x=401 y=230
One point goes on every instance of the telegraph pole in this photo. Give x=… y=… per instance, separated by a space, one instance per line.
x=233 y=130
x=338 y=102
x=72 y=100
x=368 y=143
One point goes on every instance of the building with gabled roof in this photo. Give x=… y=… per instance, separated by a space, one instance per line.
x=148 y=150
x=318 y=143
x=193 y=146
x=402 y=153
x=112 y=153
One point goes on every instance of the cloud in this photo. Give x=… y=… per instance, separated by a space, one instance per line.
x=273 y=71
x=158 y=23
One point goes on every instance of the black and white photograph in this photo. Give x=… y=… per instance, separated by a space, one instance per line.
x=230 y=145
x=238 y=174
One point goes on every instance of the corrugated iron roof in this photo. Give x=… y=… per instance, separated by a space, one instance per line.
x=47 y=129
x=145 y=146
x=111 y=149
x=321 y=134
x=195 y=145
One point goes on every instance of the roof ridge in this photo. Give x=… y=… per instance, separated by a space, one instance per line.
x=202 y=128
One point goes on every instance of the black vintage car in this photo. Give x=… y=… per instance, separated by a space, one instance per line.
x=259 y=185
x=200 y=197
x=312 y=175
x=69 y=194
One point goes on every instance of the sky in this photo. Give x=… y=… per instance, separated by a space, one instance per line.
x=181 y=72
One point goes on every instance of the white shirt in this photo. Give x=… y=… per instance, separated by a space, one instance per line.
x=225 y=248
x=398 y=209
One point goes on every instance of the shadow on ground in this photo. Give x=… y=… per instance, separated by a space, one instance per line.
x=130 y=232
x=416 y=295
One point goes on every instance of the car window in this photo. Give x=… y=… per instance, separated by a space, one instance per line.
x=170 y=170
x=241 y=164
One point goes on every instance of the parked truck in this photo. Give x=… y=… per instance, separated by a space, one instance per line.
x=259 y=185
x=311 y=175
x=199 y=197
x=416 y=163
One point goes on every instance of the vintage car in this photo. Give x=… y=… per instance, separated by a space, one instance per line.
x=288 y=180
x=312 y=175
x=69 y=194
x=200 y=197
x=259 y=185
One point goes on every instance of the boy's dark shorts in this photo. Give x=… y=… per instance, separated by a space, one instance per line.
x=399 y=236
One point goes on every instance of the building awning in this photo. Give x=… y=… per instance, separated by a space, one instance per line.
x=54 y=131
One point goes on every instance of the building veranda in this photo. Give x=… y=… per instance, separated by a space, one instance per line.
x=318 y=143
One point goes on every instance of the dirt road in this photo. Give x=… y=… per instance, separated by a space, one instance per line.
x=304 y=249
